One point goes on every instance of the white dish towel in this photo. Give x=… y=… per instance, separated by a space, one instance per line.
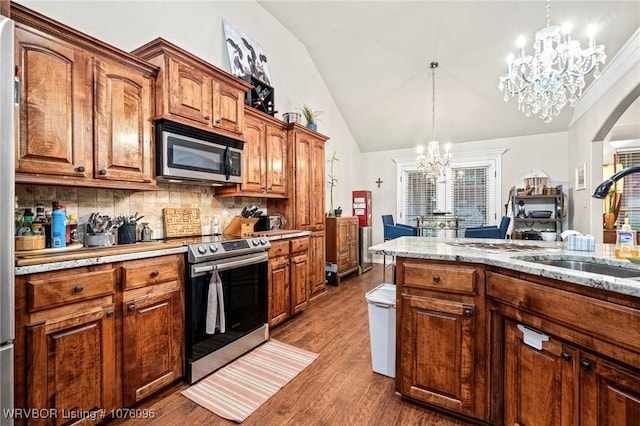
x=215 y=305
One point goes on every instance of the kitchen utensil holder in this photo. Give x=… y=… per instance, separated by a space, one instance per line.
x=98 y=240
x=127 y=233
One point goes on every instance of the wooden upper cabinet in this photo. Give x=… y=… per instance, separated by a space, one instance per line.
x=54 y=115
x=194 y=92
x=264 y=159
x=309 y=168
x=85 y=109
x=189 y=92
x=123 y=140
x=228 y=107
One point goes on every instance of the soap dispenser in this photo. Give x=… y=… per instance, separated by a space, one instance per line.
x=626 y=241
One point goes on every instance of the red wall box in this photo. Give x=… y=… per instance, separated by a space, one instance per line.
x=361 y=203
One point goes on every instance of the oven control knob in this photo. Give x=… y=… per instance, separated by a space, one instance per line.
x=256 y=242
x=202 y=249
x=213 y=248
x=263 y=241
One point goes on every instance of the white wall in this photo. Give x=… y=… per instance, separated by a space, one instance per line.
x=548 y=152
x=196 y=26
x=593 y=115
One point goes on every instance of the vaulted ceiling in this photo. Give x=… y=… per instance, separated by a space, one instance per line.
x=374 y=57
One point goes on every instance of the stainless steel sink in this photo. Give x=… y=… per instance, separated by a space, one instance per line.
x=592 y=267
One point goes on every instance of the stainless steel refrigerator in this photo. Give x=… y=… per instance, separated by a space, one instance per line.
x=7 y=194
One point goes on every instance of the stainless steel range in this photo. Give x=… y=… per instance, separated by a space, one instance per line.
x=226 y=302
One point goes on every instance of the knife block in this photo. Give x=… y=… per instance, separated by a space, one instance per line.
x=240 y=226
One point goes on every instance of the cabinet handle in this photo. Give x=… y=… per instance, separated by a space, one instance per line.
x=102 y=172
x=218 y=121
x=155 y=273
x=206 y=117
x=132 y=308
x=110 y=314
x=467 y=312
x=566 y=356
x=81 y=169
x=436 y=278
x=78 y=288
x=585 y=365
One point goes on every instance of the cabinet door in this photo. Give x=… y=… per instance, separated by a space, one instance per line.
x=71 y=362
x=610 y=394
x=189 y=92
x=124 y=108
x=153 y=338
x=53 y=123
x=299 y=282
x=279 y=300
x=317 y=264
x=228 y=108
x=276 y=161
x=539 y=383
x=317 y=184
x=303 y=175
x=254 y=156
x=437 y=363
x=352 y=242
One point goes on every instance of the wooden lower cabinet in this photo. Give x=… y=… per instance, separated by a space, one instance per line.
x=152 y=341
x=566 y=358
x=98 y=337
x=558 y=384
x=288 y=278
x=539 y=383
x=441 y=347
x=71 y=363
x=342 y=243
x=317 y=264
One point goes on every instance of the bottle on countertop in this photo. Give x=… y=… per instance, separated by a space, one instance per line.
x=74 y=237
x=58 y=228
x=626 y=242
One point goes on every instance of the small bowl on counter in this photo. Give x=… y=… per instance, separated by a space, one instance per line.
x=549 y=235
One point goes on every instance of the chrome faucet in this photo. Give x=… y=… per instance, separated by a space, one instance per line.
x=603 y=189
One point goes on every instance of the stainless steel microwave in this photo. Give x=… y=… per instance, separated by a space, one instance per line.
x=187 y=154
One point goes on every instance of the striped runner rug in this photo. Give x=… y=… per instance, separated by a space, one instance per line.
x=238 y=389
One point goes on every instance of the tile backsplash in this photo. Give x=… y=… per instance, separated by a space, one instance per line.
x=114 y=202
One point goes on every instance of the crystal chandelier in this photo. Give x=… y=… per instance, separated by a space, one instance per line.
x=433 y=165
x=554 y=76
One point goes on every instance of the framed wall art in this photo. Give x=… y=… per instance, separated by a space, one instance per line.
x=246 y=56
x=581 y=176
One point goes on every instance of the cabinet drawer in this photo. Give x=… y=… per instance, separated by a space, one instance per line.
x=279 y=248
x=299 y=245
x=140 y=273
x=47 y=293
x=451 y=278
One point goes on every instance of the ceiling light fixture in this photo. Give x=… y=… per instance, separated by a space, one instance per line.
x=433 y=165
x=554 y=76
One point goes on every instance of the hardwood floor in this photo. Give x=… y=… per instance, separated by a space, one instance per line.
x=339 y=388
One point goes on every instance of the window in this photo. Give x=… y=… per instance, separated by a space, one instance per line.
x=468 y=190
x=630 y=203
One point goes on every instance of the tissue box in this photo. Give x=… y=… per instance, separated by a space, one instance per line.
x=581 y=242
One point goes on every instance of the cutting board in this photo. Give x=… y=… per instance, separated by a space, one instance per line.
x=181 y=222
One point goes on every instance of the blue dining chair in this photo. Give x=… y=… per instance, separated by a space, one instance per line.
x=394 y=230
x=498 y=232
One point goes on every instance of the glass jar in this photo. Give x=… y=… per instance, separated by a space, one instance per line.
x=146 y=232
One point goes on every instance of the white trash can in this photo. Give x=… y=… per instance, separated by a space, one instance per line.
x=381 y=302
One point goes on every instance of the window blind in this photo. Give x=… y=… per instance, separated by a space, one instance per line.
x=470 y=196
x=420 y=193
x=630 y=202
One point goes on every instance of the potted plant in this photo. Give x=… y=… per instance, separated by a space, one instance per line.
x=310 y=116
x=332 y=181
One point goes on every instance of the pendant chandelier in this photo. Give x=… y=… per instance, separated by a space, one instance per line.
x=433 y=165
x=554 y=76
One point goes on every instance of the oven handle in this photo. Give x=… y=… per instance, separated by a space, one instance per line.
x=197 y=270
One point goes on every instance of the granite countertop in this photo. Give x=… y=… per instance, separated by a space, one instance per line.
x=53 y=259
x=518 y=255
x=86 y=256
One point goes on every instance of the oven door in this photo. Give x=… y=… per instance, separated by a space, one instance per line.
x=244 y=284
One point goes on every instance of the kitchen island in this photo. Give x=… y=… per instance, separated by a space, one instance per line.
x=492 y=331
